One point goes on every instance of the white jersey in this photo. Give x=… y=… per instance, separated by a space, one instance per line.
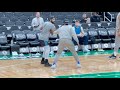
x=118 y=22
x=66 y=32
x=37 y=21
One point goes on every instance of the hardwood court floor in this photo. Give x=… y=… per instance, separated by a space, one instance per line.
x=66 y=66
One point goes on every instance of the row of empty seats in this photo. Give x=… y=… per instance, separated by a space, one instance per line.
x=30 y=39
x=99 y=25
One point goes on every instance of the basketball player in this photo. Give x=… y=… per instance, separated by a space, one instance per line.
x=117 y=38
x=66 y=33
x=48 y=27
x=37 y=22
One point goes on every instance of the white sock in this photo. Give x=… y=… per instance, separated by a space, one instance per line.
x=115 y=53
x=47 y=51
x=43 y=54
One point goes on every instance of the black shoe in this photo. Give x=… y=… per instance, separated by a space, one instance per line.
x=112 y=56
x=47 y=63
x=43 y=61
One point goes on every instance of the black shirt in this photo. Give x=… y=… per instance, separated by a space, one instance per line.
x=95 y=19
x=83 y=21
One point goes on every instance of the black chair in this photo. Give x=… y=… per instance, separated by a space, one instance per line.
x=23 y=18
x=70 y=17
x=33 y=41
x=2 y=14
x=28 y=14
x=14 y=32
x=19 y=23
x=78 y=16
x=94 y=25
x=31 y=18
x=14 y=18
x=32 y=38
x=8 y=14
x=112 y=25
x=85 y=25
x=28 y=23
x=24 y=28
x=3 y=29
x=1 y=24
x=14 y=28
x=4 y=46
x=4 y=19
x=18 y=14
x=9 y=23
x=111 y=33
x=104 y=25
x=59 y=17
x=9 y=36
x=19 y=38
x=93 y=37
x=26 y=31
x=104 y=36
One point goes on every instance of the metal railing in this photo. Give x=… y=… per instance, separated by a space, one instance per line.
x=105 y=17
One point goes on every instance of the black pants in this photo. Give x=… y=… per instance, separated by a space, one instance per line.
x=82 y=40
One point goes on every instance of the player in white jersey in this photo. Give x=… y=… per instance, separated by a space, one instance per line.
x=48 y=27
x=117 y=38
x=66 y=33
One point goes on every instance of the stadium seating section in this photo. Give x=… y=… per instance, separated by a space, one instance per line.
x=16 y=31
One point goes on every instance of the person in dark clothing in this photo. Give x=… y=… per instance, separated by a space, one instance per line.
x=95 y=17
x=85 y=19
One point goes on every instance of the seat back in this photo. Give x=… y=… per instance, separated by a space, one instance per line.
x=31 y=36
x=3 y=39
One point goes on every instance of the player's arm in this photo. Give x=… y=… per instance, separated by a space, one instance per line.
x=74 y=35
x=56 y=31
x=118 y=26
x=117 y=23
x=51 y=31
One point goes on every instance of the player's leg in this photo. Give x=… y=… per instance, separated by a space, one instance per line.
x=43 y=58
x=42 y=44
x=59 y=51
x=46 y=54
x=71 y=47
x=85 y=41
x=116 y=48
